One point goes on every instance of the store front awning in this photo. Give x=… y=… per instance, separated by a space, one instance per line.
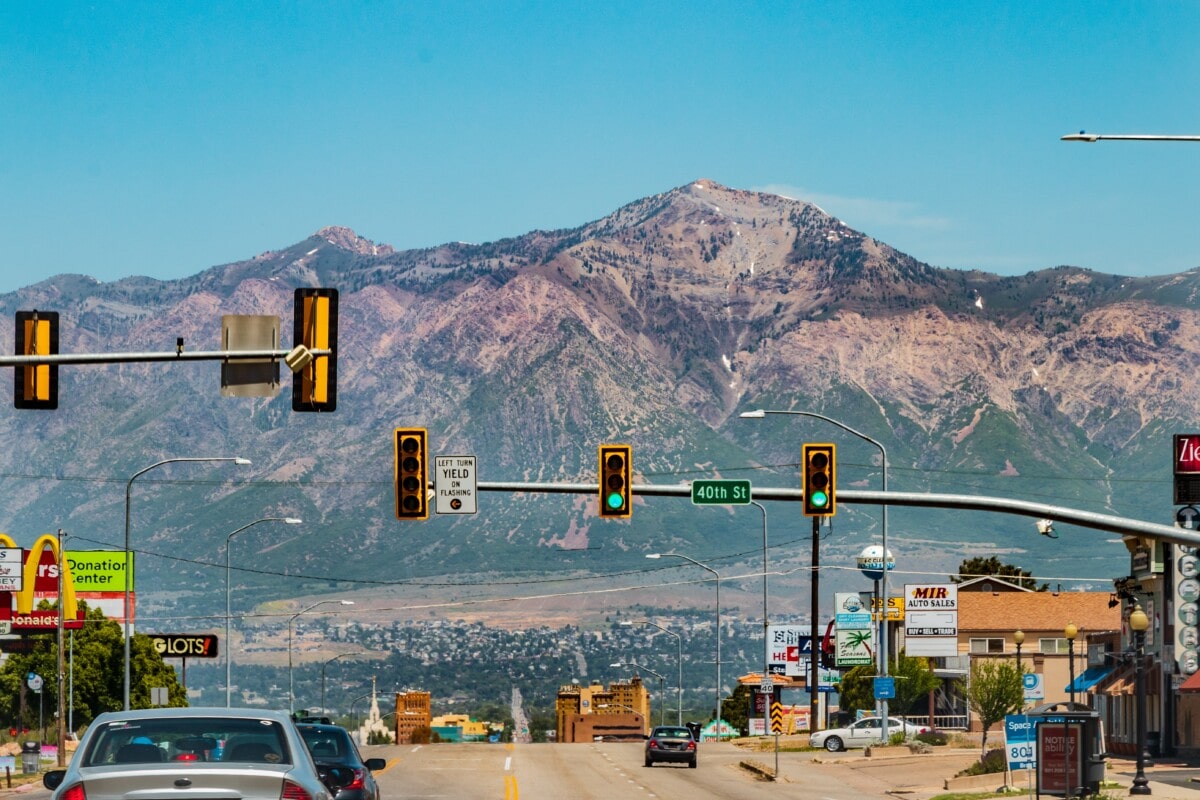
x=1090 y=677
x=1192 y=684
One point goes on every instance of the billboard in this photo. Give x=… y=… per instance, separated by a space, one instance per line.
x=931 y=619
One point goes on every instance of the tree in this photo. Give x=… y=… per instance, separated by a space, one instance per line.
x=915 y=679
x=856 y=692
x=992 y=567
x=99 y=672
x=735 y=709
x=995 y=690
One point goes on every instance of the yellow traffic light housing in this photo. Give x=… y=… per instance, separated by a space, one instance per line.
x=819 y=463
x=412 y=461
x=36 y=385
x=616 y=480
x=314 y=385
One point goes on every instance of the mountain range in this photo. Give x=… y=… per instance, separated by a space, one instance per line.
x=655 y=326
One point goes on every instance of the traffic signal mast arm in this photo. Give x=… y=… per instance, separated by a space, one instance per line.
x=1003 y=505
x=128 y=358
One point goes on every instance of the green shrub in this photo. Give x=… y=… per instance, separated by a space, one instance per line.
x=936 y=738
x=994 y=761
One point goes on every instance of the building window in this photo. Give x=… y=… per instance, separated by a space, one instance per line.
x=1053 y=647
x=987 y=646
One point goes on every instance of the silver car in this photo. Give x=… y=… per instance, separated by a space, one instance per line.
x=866 y=731
x=193 y=752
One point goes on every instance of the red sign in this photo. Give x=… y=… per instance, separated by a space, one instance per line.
x=1187 y=453
x=1060 y=758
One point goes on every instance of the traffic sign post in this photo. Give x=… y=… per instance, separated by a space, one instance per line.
x=720 y=493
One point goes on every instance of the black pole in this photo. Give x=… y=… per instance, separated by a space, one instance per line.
x=1071 y=667
x=815 y=633
x=1140 y=783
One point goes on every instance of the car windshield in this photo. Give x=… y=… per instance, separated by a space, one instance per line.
x=150 y=740
x=682 y=733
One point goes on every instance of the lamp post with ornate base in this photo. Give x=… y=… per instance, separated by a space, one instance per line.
x=1070 y=633
x=1139 y=622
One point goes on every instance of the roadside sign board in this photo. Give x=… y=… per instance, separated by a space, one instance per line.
x=455 y=482
x=1020 y=736
x=854 y=648
x=11 y=573
x=885 y=688
x=720 y=493
x=1187 y=468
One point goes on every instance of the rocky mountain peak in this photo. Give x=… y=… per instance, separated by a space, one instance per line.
x=347 y=239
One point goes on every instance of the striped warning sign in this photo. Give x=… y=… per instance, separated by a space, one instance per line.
x=776 y=717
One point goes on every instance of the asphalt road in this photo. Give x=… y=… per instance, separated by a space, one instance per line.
x=614 y=771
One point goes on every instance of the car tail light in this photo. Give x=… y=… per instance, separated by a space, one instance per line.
x=692 y=745
x=187 y=757
x=293 y=791
x=653 y=744
x=357 y=783
x=76 y=792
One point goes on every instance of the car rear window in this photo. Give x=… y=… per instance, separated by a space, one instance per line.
x=152 y=740
x=683 y=733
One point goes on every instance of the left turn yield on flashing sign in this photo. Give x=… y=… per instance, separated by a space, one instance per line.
x=455 y=480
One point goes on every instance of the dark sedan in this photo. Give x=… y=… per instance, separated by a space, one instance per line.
x=331 y=746
x=671 y=743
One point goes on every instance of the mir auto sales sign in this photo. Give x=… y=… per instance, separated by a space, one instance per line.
x=173 y=645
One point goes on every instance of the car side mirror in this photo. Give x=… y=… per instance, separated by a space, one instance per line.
x=54 y=778
x=375 y=763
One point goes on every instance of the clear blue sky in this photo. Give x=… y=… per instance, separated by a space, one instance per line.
x=162 y=138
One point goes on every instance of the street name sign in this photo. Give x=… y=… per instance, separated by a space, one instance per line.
x=720 y=493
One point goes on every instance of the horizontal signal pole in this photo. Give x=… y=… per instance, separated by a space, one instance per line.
x=1003 y=505
x=128 y=358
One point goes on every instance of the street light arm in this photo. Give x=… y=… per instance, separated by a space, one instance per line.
x=128 y=553
x=1082 y=136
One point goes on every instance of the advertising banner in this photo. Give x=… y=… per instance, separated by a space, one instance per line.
x=1020 y=741
x=855 y=648
x=1059 y=757
x=788 y=646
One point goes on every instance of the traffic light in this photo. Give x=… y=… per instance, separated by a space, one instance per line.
x=314 y=382
x=820 y=480
x=36 y=385
x=616 y=480
x=411 y=470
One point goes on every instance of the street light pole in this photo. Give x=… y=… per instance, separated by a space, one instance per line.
x=1139 y=622
x=228 y=640
x=882 y=668
x=326 y=664
x=678 y=661
x=717 y=575
x=291 y=621
x=766 y=622
x=1070 y=632
x=128 y=553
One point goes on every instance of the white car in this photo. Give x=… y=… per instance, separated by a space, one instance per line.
x=866 y=731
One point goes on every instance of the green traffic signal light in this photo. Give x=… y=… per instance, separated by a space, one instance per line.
x=819 y=472
x=819 y=499
x=615 y=501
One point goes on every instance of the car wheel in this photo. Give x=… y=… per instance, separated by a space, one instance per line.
x=692 y=764
x=833 y=744
x=649 y=761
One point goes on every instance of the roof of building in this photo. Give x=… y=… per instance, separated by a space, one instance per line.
x=989 y=583
x=1034 y=612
